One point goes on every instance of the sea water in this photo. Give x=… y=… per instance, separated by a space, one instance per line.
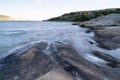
x=19 y=35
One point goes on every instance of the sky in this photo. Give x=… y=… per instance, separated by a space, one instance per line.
x=44 y=9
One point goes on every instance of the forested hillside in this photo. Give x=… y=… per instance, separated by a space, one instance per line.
x=85 y=15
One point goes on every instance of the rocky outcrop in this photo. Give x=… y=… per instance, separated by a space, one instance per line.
x=107 y=30
x=64 y=63
x=111 y=61
x=104 y=21
x=28 y=66
x=109 y=37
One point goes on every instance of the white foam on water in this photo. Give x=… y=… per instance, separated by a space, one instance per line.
x=115 y=53
x=95 y=59
x=50 y=32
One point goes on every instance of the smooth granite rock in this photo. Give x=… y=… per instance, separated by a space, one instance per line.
x=30 y=65
x=111 y=61
x=108 y=38
x=64 y=63
x=107 y=30
x=104 y=21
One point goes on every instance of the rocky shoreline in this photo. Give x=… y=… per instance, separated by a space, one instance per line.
x=63 y=64
x=107 y=30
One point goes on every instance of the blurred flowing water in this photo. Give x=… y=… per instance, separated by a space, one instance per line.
x=18 y=36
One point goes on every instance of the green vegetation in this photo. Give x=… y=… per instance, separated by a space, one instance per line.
x=85 y=15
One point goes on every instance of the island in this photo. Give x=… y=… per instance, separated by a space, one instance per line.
x=9 y=18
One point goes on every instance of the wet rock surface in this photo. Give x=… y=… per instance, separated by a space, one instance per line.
x=111 y=61
x=64 y=63
x=108 y=38
x=107 y=30
x=28 y=66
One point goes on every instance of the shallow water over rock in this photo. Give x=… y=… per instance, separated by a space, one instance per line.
x=17 y=37
x=53 y=51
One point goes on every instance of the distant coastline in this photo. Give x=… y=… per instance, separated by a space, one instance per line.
x=9 y=18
